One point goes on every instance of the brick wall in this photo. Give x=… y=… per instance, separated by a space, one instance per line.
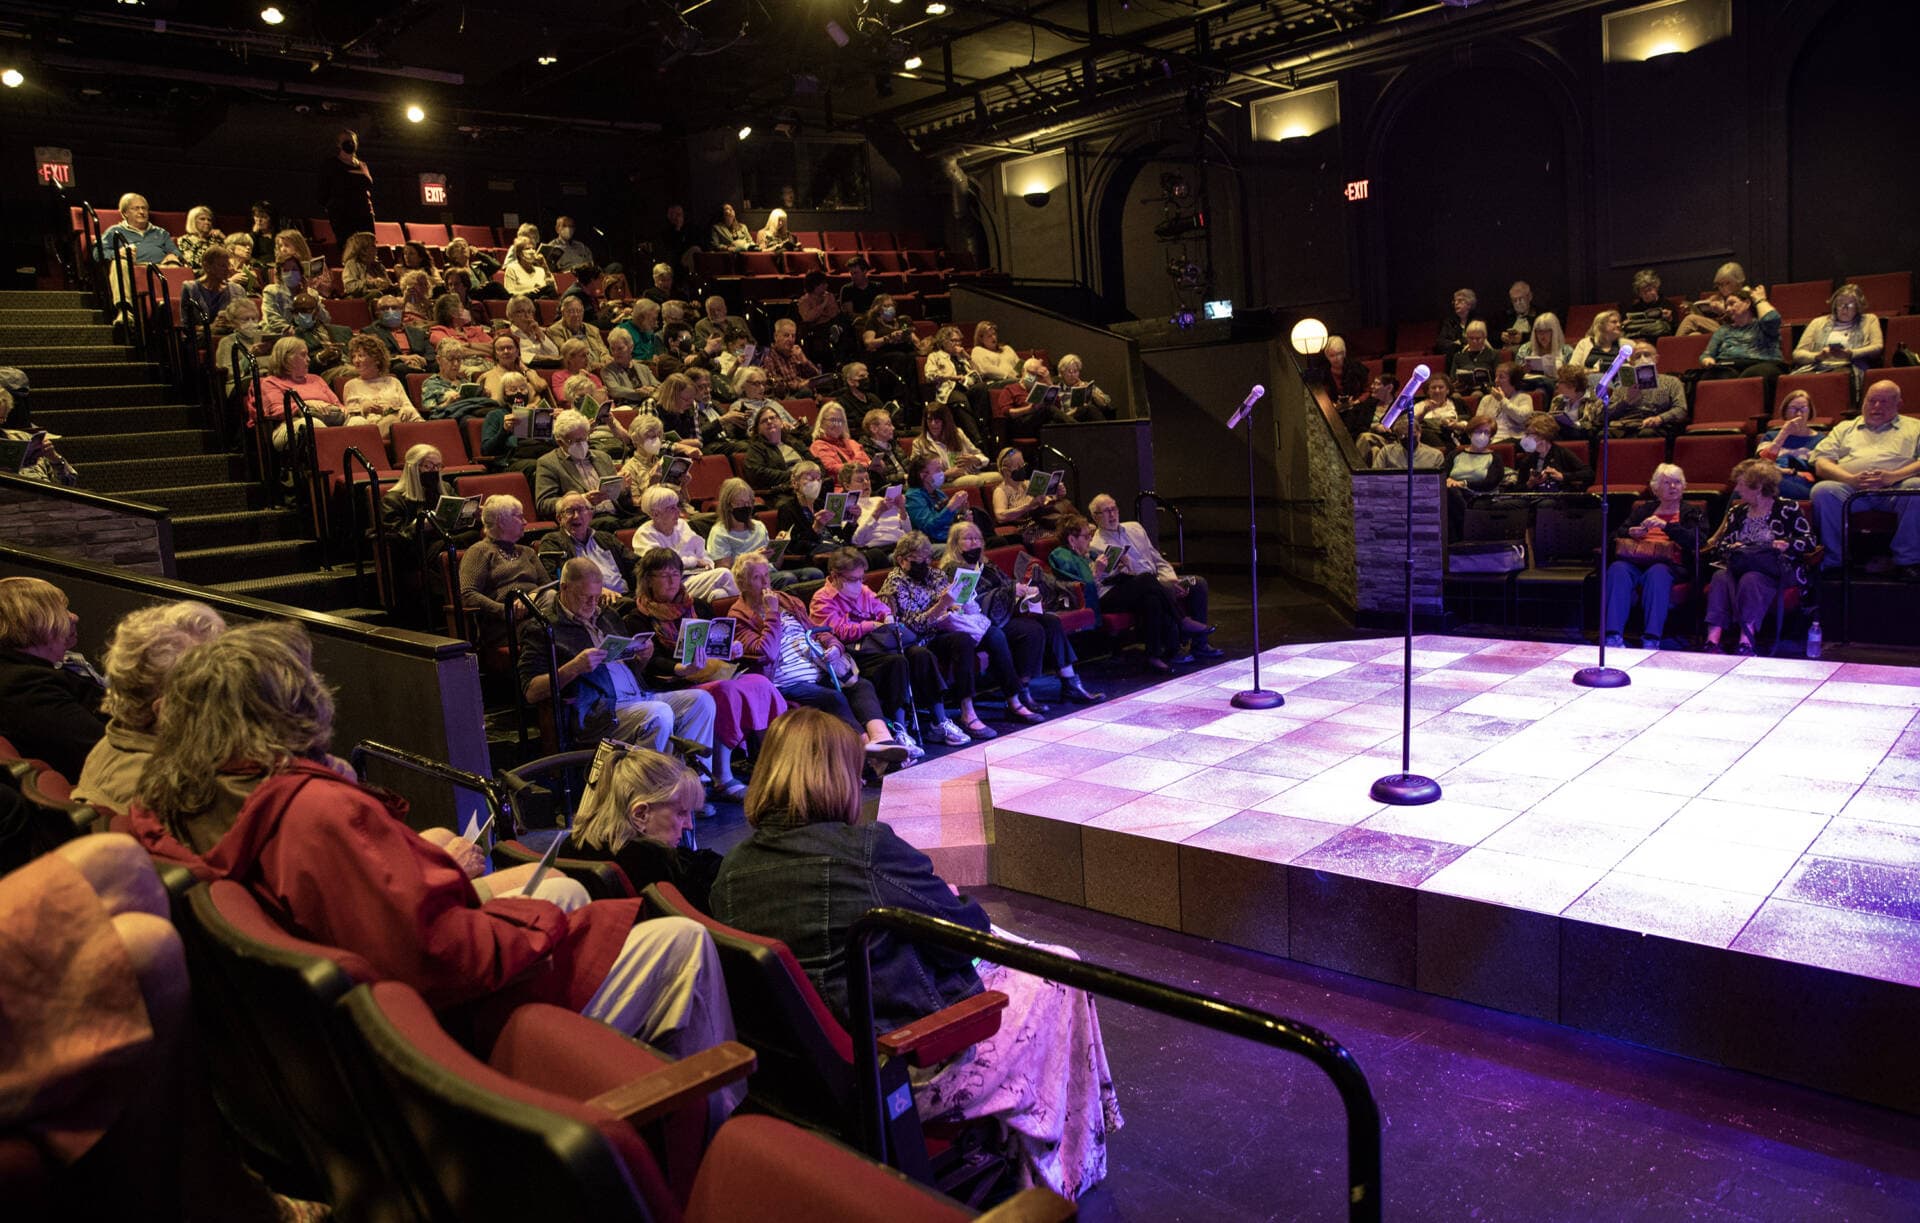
x=82 y=528
x=1380 y=541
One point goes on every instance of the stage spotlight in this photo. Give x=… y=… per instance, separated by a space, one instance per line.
x=746 y=130
x=272 y=15
x=912 y=62
x=1309 y=336
x=936 y=9
x=415 y=114
x=12 y=79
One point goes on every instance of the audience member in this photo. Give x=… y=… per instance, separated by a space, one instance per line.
x=130 y=243
x=636 y=813
x=730 y=233
x=1602 y=341
x=203 y=298
x=1573 y=407
x=40 y=460
x=1517 y=323
x=1761 y=546
x=577 y=536
x=1880 y=449
x=833 y=445
x=292 y=376
x=1472 y=364
x=1709 y=310
x=142 y=652
x=739 y=532
x=1847 y=337
x=1789 y=446
x=859 y=293
x=1543 y=355
x=664 y=528
x=1139 y=557
x=752 y=400
x=50 y=698
x=997 y=362
x=885 y=341
x=1014 y=503
x=877 y=436
x=1453 y=328
x=406 y=343
x=1746 y=344
x=360 y=272
x=954 y=632
x=498 y=567
x=857 y=616
x=1035 y=636
x=629 y=381
x=811 y=869
x=277 y=299
x=1646 y=315
x=1657 y=546
x=523 y=323
x=374 y=396
x=567 y=253
x=574 y=467
x=790 y=372
x=770 y=458
x=1098 y=405
x=572 y=326
x=774 y=235
x=932 y=506
x=955 y=383
x=1641 y=411
x=1545 y=466
x=941 y=438
x=575 y=356
x=881 y=520
x=1505 y=405
x=346 y=186
x=199 y=237
x=526 y=273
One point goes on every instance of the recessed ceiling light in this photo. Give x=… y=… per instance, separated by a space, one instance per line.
x=272 y=16
x=913 y=61
x=746 y=132
x=936 y=9
x=12 y=79
x=415 y=114
x=546 y=61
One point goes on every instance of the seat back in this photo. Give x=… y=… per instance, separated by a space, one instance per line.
x=1418 y=336
x=760 y=263
x=431 y=233
x=1832 y=391
x=330 y=445
x=503 y=483
x=1674 y=353
x=388 y=233
x=492 y=1146
x=1887 y=293
x=350 y=312
x=1580 y=319
x=443 y=435
x=706 y=476
x=1801 y=299
x=765 y=1168
x=1709 y=458
x=834 y=240
x=1630 y=461
x=602 y=880
x=1733 y=402
x=474 y=235
x=1491 y=523
x=1566 y=532
x=805 y=1057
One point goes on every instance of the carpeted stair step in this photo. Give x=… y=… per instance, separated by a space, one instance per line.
x=322 y=591
x=191 y=499
x=16 y=336
x=71 y=354
x=248 y=562
x=49 y=316
x=110 y=477
x=57 y=299
x=135 y=395
x=192 y=532
x=78 y=422
x=97 y=373
x=84 y=449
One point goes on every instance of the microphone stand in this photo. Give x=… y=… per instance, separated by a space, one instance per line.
x=1255 y=697
x=1601 y=675
x=1407 y=788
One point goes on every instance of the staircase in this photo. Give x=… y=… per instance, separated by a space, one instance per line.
x=132 y=436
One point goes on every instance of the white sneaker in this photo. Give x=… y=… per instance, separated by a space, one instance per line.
x=900 y=736
x=951 y=734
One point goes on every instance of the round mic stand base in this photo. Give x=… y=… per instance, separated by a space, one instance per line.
x=1258 y=698
x=1405 y=790
x=1601 y=677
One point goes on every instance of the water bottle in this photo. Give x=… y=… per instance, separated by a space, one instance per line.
x=1813 y=640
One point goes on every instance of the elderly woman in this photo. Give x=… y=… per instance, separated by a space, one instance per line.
x=1505 y=406
x=770 y=458
x=637 y=814
x=1035 y=636
x=525 y=273
x=1544 y=465
x=292 y=376
x=572 y=466
x=1107 y=588
x=374 y=396
x=812 y=868
x=497 y=567
x=239 y=789
x=739 y=532
x=247 y=271
x=49 y=698
x=809 y=665
x=1013 y=501
x=833 y=443
x=1453 y=328
x=416 y=299
x=575 y=358
x=1710 y=309
x=200 y=236
x=729 y=232
x=651 y=451
x=523 y=324
x=1543 y=355
x=664 y=529
x=416 y=495
x=39 y=460
x=1602 y=342
x=1847 y=337
x=743 y=703
x=1763 y=544
x=1069 y=375
x=877 y=522
x=1790 y=446
x=141 y=653
x=917 y=591
x=1646 y=315
x=954 y=381
x=774 y=235
x=573 y=325
x=966 y=465
x=453 y=320
x=1657 y=545
x=1573 y=407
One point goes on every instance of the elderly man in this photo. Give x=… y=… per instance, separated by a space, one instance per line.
x=572 y=467
x=1139 y=556
x=1473 y=363
x=131 y=242
x=718 y=323
x=565 y=252
x=573 y=325
x=1878 y=451
x=1656 y=411
x=628 y=381
x=789 y=371
x=407 y=346
x=577 y=537
x=597 y=696
x=1517 y=325
x=661 y=291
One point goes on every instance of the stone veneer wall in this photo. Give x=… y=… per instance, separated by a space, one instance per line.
x=85 y=527
x=1332 y=565
x=1380 y=541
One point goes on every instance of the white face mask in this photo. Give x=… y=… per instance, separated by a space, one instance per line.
x=577 y=450
x=809 y=490
x=651 y=445
x=1530 y=444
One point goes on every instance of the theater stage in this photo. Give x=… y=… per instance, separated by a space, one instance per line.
x=1721 y=860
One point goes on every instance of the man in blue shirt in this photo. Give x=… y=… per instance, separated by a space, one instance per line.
x=133 y=242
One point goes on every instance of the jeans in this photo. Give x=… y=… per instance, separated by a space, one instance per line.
x=1654 y=583
x=854 y=702
x=1830 y=498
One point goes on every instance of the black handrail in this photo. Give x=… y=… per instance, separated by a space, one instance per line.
x=1073 y=469
x=427 y=523
x=1179 y=521
x=487 y=788
x=1858 y=501
x=521 y=778
x=353 y=503
x=1291 y=1036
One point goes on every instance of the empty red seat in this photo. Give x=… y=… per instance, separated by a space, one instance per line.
x=887 y=261
x=876 y=240
x=840 y=240
x=388 y=233
x=1728 y=404
x=760 y=263
x=1800 y=300
x=1416 y=336
x=321 y=231
x=508 y=484
x=349 y=312
x=1580 y=318
x=1675 y=353
x=1897 y=332
x=714 y=263
x=443 y=435
x=1832 y=391
x=474 y=235
x=1707 y=458
x=808 y=238
x=1630 y=462
x=430 y=233
x=704 y=480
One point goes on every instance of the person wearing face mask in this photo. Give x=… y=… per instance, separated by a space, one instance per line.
x=753 y=400
x=1545 y=466
x=933 y=507
x=739 y=531
x=643 y=467
x=1473 y=469
x=573 y=467
x=965 y=464
x=801 y=515
x=346 y=186
x=238 y=325
x=1656 y=411
x=325 y=340
x=416 y=494
x=1036 y=640
x=406 y=345
x=566 y=252
x=1014 y=504
x=917 y=591
x=276 y=300
x=884 y=340
x=889 y=466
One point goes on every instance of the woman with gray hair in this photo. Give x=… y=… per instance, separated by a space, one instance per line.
x=146 y=645
x=1646 y=315
x=497 y=567
x=1453 y=328
x=1657 y=546
x=665 y=528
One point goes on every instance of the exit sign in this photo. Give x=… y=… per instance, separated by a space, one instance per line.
x=53 y=167
x=433 y=189
x=1356 y=190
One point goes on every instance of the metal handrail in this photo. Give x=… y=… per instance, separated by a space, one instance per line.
x=525 y=598
x=353 y=503
x=1291 y=1036
x=429 y=523
x=1179 y=521
x=487 y=788
x=1073 y=469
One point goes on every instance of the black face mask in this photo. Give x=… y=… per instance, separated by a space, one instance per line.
x=743 y=515
x=430 y=486
x=347 y=146
x=972 y=556
x=919 y=570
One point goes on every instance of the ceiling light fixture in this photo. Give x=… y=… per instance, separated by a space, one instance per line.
x=936 y=9
x=12 y=79
x=547 y=61
x=272 y=15
x=912 y=62
x=746 y=130
x=415 y=114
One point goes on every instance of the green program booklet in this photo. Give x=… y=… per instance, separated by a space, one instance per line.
x=965 y=582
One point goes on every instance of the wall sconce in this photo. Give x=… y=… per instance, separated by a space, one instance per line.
x=1309 y=336
x=1038 y=199
x=1034 y=179
x=1664 y=28
x=1290 y=116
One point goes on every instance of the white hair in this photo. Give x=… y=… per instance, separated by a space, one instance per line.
x=494 y=507
x=570 y=422
x=658 y=498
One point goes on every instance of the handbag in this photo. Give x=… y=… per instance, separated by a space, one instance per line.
x=888 y=639
x=1647 y=551
x=1742 y=560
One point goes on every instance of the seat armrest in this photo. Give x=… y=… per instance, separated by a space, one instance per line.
x=654 y=1095
x=1036 y=1205
x=934 y=1038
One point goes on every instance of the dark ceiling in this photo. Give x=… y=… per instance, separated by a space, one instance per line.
x=993 y=71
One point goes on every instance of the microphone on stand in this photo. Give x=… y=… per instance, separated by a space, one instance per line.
x=1246 y=406
x=1613 y=371
x=1405 y=399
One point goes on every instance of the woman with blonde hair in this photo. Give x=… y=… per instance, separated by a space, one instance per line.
x=199 y=237
x=941 y=438
x=811 y=869
x=1601 y=342
x=292 y=375
x=774 y=235
x=637 y=816
x=360 y=272
x=833 y=443
x=1543 y=355
x=143 y=651
x=374 y=396
x=49 y=697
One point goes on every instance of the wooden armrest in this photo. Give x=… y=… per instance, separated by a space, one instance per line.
x=934 y=1038
x=1036 y=1205
x=654 y=1095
